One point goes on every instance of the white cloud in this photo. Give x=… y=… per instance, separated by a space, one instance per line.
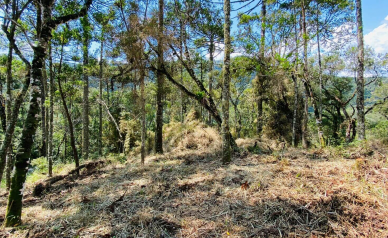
x=378 y=38
x=219 y=52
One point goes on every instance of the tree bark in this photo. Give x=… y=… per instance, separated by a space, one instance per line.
x=305 y=111
x=8 y=104
x=211 y=68
x=160 y=85
x=51 y=116
x=100 y=97
x=85 y=114
x=360 y=74
x=319 y=120
x=261 y=78
x=143 y=116
x=43 y=151
x=226 y=152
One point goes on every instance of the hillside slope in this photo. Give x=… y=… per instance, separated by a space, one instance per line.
x=189 y=193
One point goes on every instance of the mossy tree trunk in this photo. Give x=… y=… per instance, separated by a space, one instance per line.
x=360 y=74
x=45 y=25
x=8 y=104
x=9 y=31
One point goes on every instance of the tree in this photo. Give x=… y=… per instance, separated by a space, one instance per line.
x=226 y=152
x=9 y=28
x=45 y=23
x=360 y=74
x=85 y=114
x=160 y=84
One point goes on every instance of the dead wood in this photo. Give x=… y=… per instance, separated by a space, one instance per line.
x=42 y=187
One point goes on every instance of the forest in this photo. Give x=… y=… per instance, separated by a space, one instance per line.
x=192 y=118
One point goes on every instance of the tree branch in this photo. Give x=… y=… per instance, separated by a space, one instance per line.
x=62 y=19
x=376 y=104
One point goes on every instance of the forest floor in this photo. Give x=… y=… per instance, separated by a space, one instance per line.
x=189 y=193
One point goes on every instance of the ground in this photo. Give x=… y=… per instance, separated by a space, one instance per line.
x=281 y=192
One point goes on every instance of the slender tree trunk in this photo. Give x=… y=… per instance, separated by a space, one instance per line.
x=305 y=72
x=360 y=74
x=211 y=59
x=67 y=113
x=319 y=119
x=160 y=85
x=226 y=151
x=295 y=113
x=42 y=103
x=305 y=142
x=181 y=68
x=262 y=70
x=143 y=115
x=295 y=79
x=85 y=115
x=100 y=97
x=51 y=117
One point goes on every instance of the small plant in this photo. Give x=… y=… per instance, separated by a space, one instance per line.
x=40 y=165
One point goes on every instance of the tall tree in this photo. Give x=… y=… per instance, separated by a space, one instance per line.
x=51 y=115
x=226 y=152
x=261 y=77
x=45 y=23
x=360 y=74
x=85 y=114
x=160 y=84
x=9 y=28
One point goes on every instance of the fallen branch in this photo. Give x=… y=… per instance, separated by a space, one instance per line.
x=40 y=188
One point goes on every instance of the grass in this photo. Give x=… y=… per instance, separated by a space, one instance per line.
x=189 y=193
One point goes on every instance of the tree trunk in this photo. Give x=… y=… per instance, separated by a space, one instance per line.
x=226 y=152
x=295 y=113
x=211 y=61
x=85 y=114
x=51 y=117
x=305 y=142
x=360 y=74
x=305 y=111
x=262 y=70
x=181 y=68
x=100 y=97
x=319 y=119
x=67 y=113
x=143 y=115
x=160 y=85
x=8 y=103
x=43 y=149
x=14 y=207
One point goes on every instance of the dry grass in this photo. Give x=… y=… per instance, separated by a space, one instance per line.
x=189 y=193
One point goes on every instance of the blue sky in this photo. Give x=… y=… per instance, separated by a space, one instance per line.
x=374 y=12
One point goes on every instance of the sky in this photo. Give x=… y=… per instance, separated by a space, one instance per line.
x=375 y=20
x=375 y=17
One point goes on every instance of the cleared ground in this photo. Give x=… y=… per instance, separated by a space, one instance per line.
x=189 y=193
